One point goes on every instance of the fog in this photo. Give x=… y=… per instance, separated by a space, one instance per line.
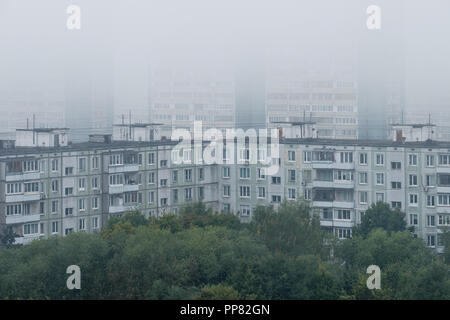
x=61 y=74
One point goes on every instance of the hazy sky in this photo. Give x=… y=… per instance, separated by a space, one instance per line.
x=36 y=49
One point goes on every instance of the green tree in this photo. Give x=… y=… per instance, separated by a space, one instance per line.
x=380 y=215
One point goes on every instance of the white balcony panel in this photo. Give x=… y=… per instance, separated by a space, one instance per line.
x=15 y=219
x=123 y=168
x=23 y=197
x=22 y=176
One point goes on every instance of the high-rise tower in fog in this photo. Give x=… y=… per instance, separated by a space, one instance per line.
x=381 y=70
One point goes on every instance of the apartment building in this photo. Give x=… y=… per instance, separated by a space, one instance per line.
x=342 y=178
x=58 y=189
x=328 y=101
x=76 y=187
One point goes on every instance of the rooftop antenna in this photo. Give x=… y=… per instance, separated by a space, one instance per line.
x=34 y=127
x=129 y=115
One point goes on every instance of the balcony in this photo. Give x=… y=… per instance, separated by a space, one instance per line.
x=443 y=169
x=128 y=167
x=443 y=189
x=122 y=208
x=21 y=176
x=322 y=204
x=323 y=184
x=26 y=239
x=16 y=219
x=343 y=204
x=22 y=197
x=121 y=188
x=337 y=223
x=332 y=165
x=344 y=184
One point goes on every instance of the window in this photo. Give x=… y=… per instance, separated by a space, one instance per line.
x=430 y=180
x=343 y=214
x=82 y=164
x=346 y=157
x=55 y=185
x=308 y=194
x=81 y=204
x=31 y=228
x=55 y=205
x=82 y=224
x=444 y=199
x=379 y=159
x=343 y=233
x=245 y=210
x=115 y=179
x=42 y=229
x=292 y=194
x=12 y=188
x=413 y=199
x=94 y=183
x=151 y=178
x=396 y=204
x=276 y=199
x=431 y=221
x=431 y=201
x=244 y=191
x=431 y=240
x=201 y=174
x=291 y=155
x=413 y=219
x=226 y=172
x=396 y=185
x=163 y=182
x=261 y=173
x=413 y=180
x=31 y=187
x=276 y=180
x=429 y=160
x=151 y=158
x=363 y=158
x=201 y=192
x=444 y=220
x=379 y=196
x=68 y=171
x=163 y=163
x=226 y=191
x=188 y=194
x=291 y=175
x=55 y=165
x=188 y=175
x=327 y=213
x=396 y=165
x=95 y=203
x=261 y=192
x=244 y=173
x=175 y=195
x=68 y=191
x=95 y=162
x=82 y=184
x=151 y=197
x=343 y=175
x=175 y=175
x=307 y=156
x=95 y=223
x=363 y=197
x=140 y=158
x=115 y=159
x=55 y=227
x=412 y=159
x=379 y=178
x=444 y=159
x=41 y=207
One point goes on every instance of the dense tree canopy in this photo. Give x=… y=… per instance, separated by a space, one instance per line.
x=281 y=254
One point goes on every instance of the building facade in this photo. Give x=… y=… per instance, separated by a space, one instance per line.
x=57 y=190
